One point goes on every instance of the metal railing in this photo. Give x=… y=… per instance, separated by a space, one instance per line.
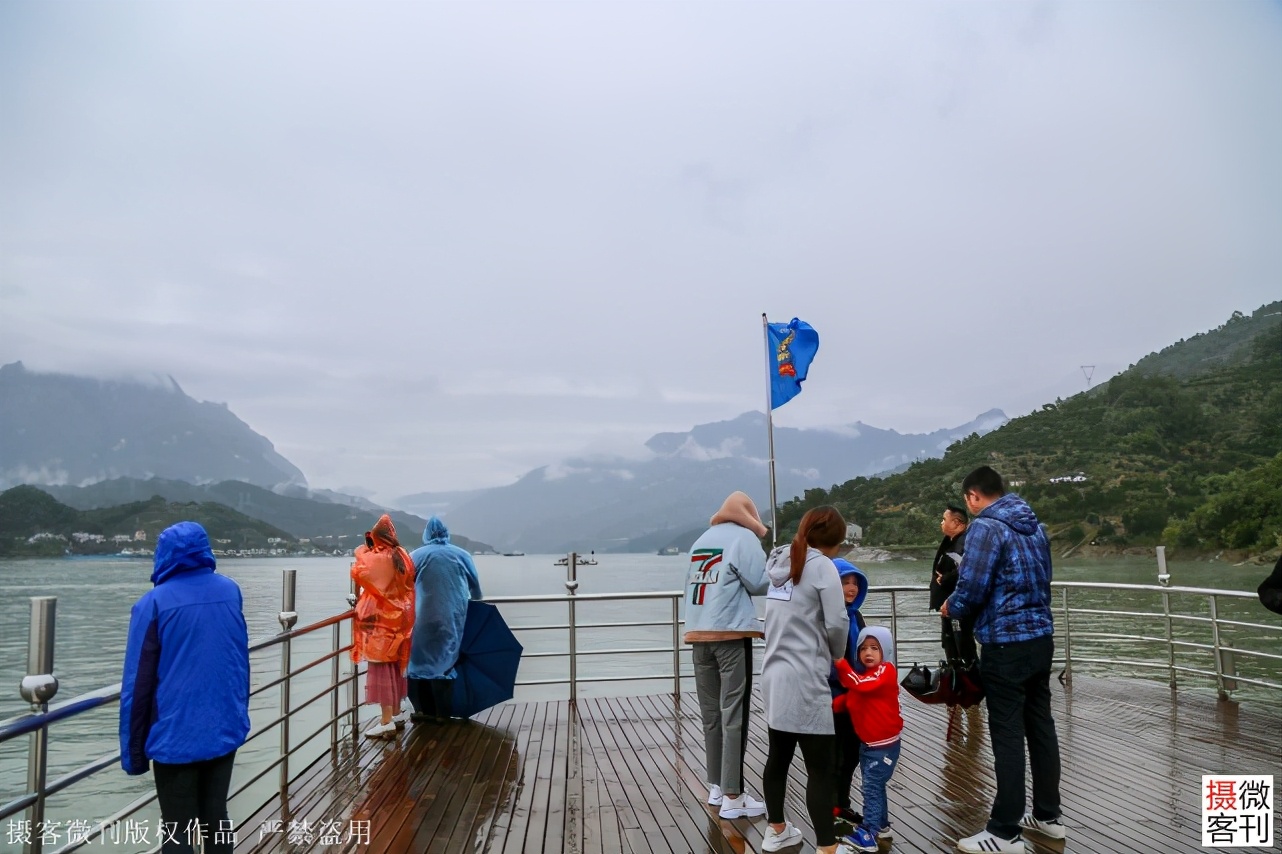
x=1221 y=666
x=40 y=685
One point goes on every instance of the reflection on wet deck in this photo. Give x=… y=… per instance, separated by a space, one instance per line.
x=625 y=774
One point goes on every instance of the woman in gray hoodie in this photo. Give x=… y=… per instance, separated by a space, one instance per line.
x=806 y=631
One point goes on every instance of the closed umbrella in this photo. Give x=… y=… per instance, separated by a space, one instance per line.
x=488 y=659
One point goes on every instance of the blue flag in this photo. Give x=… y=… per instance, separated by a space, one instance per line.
x=792 y=349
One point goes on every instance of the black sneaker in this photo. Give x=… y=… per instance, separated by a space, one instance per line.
x=848 y=815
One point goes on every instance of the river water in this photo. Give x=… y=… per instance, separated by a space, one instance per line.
x=95 y=595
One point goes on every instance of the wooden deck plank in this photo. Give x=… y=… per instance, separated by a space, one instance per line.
x=627 y=788
x=626 y=774
x=496 y=765
x=689 y=773
x=676 y=818
x=506 y=797
x=555 y=831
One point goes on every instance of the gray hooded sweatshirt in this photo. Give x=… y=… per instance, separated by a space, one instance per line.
x=806 y=630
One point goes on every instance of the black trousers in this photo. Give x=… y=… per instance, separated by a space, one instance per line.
x=959 y=644
x=1017 y=691
x=846 y=759
x=817 y=752
x=193 y=804
x=432 y=697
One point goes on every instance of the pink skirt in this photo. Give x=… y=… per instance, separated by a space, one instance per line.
x=385 y=684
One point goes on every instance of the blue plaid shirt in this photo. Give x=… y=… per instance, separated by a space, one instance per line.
x=1005 y=575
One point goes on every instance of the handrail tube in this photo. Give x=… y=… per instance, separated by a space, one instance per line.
x=279 y=679
x=17 y=805
x=281 y=637
x=621 y=651
x=535 y=628
x=1104 y=612
x=1155 y=588
x=1180 y=668
x=124 y=812
x=265 y=771
x=274 y=722
x=585 y=597
x=24 y=723
x=1241 y=625
x=1177 y=643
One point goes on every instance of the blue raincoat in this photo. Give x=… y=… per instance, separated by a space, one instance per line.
x=184 y=696
x=445 y=579
x=844 y=568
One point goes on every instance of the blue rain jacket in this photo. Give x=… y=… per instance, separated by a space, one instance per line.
x=184 y=695
x=445 y=579
x=1004 y=580
x=844 y=568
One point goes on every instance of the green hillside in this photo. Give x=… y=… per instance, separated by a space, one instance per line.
x=27 y=512
x=327 y=523
x=1183 y=448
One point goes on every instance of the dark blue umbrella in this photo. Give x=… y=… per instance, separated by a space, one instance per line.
x=488 y=658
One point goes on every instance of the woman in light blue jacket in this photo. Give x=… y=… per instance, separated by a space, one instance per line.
x=727 y=568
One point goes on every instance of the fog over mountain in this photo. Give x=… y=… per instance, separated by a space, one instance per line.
x=58 y=429
x=676 y=482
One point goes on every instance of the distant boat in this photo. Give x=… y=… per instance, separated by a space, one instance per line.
x=670 y=550
x=513 y=554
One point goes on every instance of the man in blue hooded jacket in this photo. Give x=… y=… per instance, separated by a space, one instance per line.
x=184 y=696
x=445 y=579
x=1005 y=581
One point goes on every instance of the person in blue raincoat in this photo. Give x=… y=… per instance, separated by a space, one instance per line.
x=445 y=579
x=184 y=694
x=854 y=589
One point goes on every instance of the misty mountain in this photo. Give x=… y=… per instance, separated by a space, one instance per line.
x=62 y=429
x=619 y=503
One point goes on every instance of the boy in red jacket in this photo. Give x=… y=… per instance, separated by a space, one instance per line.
x=873 y=703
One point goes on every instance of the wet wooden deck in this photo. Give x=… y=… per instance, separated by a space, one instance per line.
x=626 y=775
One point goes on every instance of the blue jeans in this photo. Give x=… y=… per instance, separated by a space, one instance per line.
x=1017 y=692
x=876 y=764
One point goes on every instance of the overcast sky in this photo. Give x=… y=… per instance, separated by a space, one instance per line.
x=432 y=246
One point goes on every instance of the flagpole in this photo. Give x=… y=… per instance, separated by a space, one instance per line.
x=770 y=430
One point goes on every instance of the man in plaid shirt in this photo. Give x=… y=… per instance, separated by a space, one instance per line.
x=1004 y=582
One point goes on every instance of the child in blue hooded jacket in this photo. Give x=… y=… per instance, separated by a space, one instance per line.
x=184 y=696
x=854 y=589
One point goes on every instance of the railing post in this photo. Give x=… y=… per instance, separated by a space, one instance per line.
x=1170 y=638
x=288 y=617
x=333 y=695
x=353 y=688
x=676 y=648
x=571 y=585
x=1220 y=688
x=1068 y=638
x=894 y=620
x=38 y=688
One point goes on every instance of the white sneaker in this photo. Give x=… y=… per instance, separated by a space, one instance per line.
x=714 y=795
x=985 y=843
x=744 y=806
x=774 y=841
x=399 y=721
x=387 y=730
x=1053 y=829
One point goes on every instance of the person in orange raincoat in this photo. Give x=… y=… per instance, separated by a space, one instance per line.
x=384 y=577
